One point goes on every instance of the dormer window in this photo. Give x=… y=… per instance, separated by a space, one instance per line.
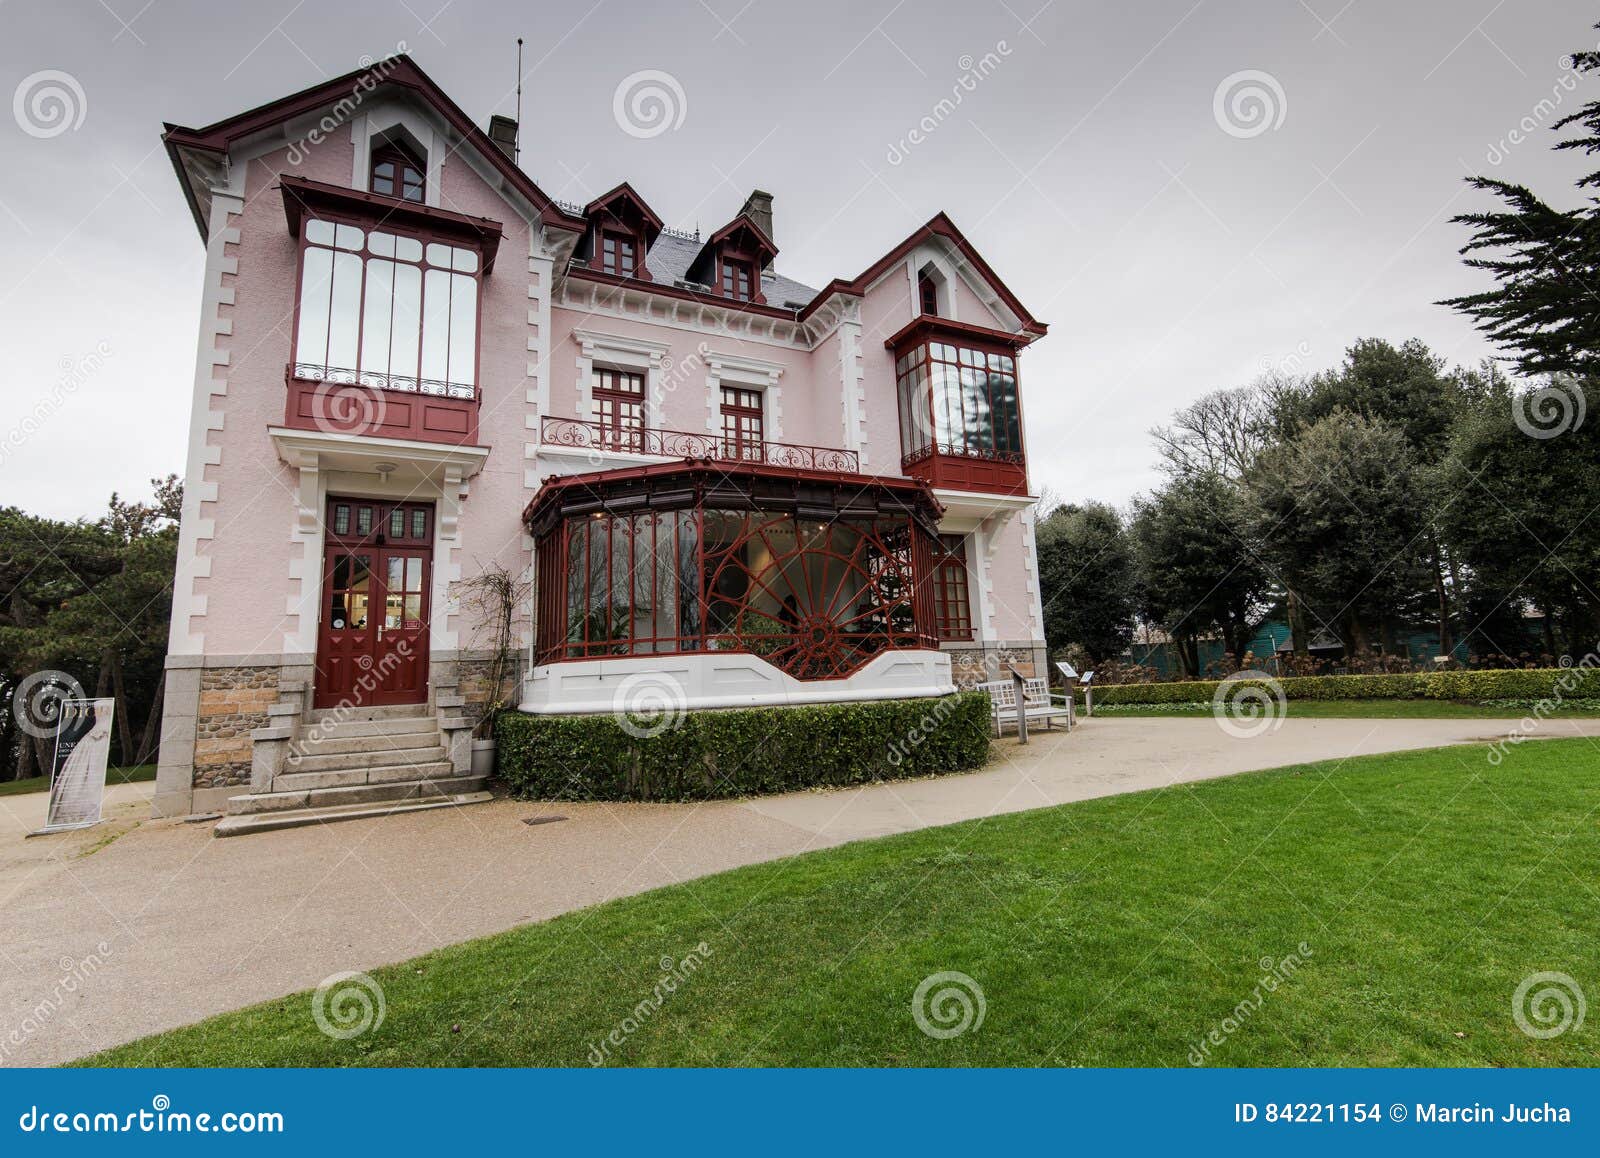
x=618 y=252
x=397 y=173
x=928 y=293
x=737 y=276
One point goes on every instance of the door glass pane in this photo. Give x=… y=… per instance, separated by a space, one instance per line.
x=397 y=524
x=414 y=574
x=391 y=611
x=413 y=610
x=419 y=524
x=363 y=520
x=341 y=520
x=393 y=580
x=348 y=592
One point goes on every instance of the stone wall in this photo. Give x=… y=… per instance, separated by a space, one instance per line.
x=976 y=665
x=233 y=702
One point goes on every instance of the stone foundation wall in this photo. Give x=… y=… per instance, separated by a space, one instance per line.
x=233 y=702
x=983 y=663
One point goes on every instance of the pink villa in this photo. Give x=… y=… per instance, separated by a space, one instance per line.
x=720 y=487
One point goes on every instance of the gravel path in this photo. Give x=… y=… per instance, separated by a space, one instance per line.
x=138 y=926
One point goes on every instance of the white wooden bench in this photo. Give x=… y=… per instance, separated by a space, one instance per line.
x=1036 y=702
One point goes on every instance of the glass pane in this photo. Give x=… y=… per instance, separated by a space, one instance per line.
x=345 y=324
x=414 y=574
x=397 y=524
x=408 y=249
x=419 y=524
x=413 y=610
x=463 y=329
x=395 y=580
x=391 y=610
x=407 y=329
x=363 y=520
x=439 y=255
x=436 y=325
x=381 y=244
x=318 y=232
x=375 y=318
x=466 y=261
x=341 y=520
x=348 y=237
x=316 y=286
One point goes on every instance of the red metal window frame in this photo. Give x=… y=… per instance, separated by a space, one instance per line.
x=376 y=224
x=743 y=424
x=737 y=280
x=619 y=409
x=618 y=252
x=952 y=597
x=928 y=293
x=963 y=359
x=406 y=176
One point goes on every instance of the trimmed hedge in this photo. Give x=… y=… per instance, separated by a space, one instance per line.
x=706 y=755
x=1520 y=684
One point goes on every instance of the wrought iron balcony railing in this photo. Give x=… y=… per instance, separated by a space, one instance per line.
x=578 y=434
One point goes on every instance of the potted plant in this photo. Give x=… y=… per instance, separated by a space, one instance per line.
x=491 y=599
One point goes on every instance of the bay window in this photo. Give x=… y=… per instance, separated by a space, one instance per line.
x=387 y=309
x=959 y=400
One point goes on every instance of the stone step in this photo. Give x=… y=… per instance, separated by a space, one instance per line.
x=384 y=742
x=344 y=729
x=391 y=712
x=264 y=802
x=339 y=761
x=267 y=821
x=350 y=777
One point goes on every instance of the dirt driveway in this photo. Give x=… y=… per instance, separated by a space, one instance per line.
x=138 y=926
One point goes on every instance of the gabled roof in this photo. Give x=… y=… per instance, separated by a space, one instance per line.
x=763 y=245
x=626 y=192
x=939 y=226
x=352 y=89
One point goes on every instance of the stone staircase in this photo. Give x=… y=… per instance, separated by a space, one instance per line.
x=351 y=763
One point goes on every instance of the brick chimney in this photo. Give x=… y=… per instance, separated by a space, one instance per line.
x=503 y=132
x=758 y=208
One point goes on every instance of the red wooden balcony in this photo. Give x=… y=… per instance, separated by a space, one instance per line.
x=578 y=434
x=379 y=406
x=958 y=469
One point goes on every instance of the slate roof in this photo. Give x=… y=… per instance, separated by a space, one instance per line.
x=670 y=257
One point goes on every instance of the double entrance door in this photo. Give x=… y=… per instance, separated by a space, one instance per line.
x=377 y=572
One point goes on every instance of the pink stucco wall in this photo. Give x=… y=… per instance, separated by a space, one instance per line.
x=248 y=599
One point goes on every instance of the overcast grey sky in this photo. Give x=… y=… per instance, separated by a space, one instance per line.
x=1173 y=246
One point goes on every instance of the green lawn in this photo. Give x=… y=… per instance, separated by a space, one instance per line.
x=1360 y=709
x=1425 y=886
x=113 y=776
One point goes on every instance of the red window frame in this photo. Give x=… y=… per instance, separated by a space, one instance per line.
x=952 y=597
x=407 y=179
x=737 y=280
x=743 y=424
x=619 y=252
x=619 y=409
x=928 y=294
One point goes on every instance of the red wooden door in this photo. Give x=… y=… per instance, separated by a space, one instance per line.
x=377 y=572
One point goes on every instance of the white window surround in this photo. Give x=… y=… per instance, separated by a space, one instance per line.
x=944 y=280
x=374 y=122
x=751 y=374
x=615 y=352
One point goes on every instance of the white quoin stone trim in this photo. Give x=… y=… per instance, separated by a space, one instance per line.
x=615 y=352
x=752 y=373
x=186 y=635
x=853 y=379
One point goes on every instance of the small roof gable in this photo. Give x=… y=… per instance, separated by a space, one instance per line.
x=353 y=87
x=941 y=227
x=621 y=197
x=741 y=234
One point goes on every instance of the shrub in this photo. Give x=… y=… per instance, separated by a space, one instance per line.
x=705 y=755
x=1475 y=686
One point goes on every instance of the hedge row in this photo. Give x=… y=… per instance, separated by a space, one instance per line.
x=704 y=755
x=1528 y=684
